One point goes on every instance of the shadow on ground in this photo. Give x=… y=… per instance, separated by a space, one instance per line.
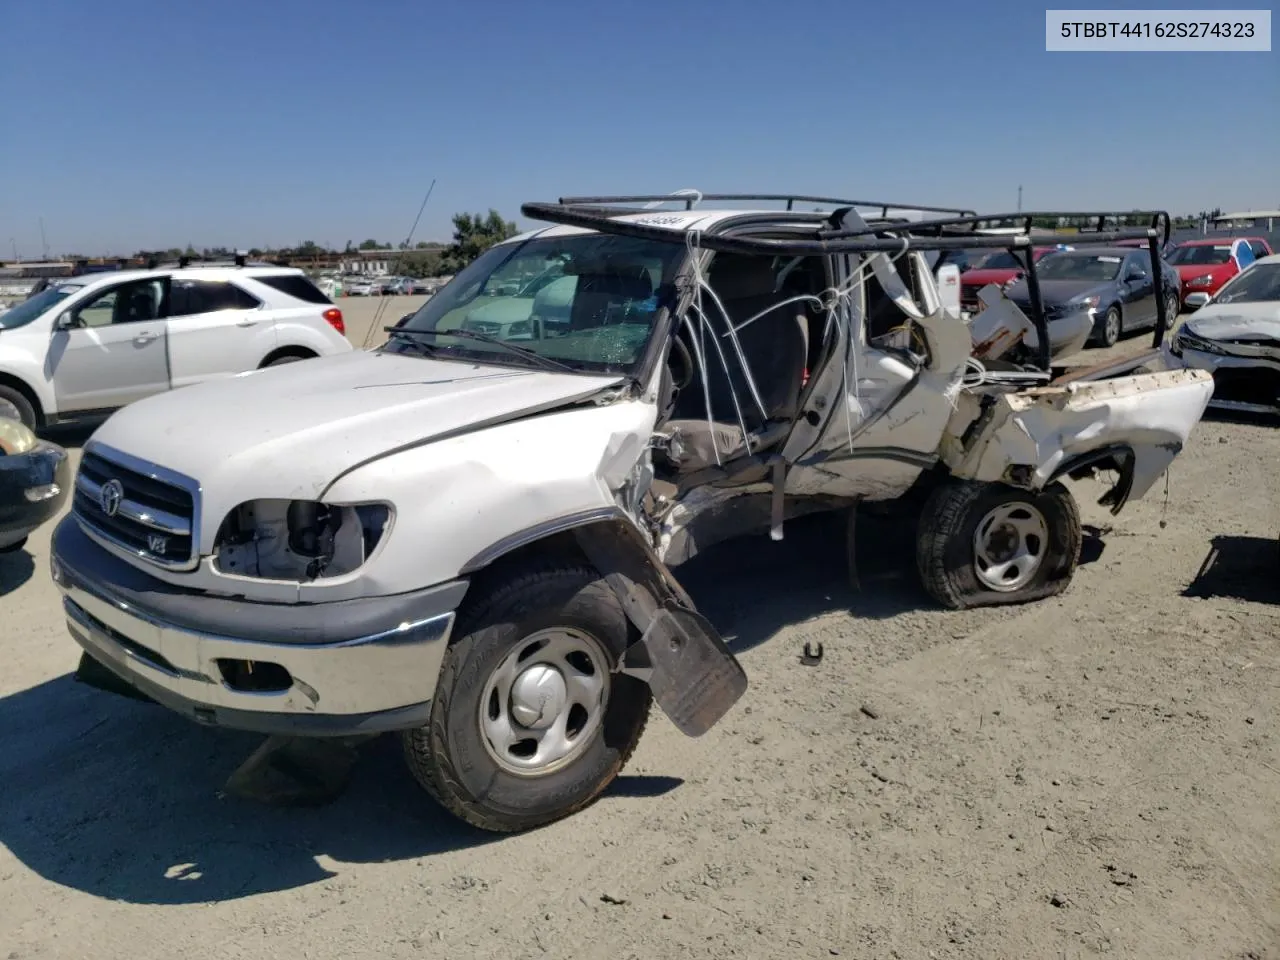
x=753 y=587
x=1239 y=568
x=16 y=568
x=123 y=800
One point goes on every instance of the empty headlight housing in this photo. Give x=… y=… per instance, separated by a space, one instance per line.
x=1186 y=340
x=301 y=540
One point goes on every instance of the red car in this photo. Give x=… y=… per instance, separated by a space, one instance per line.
x=1205 y=265
x=999 y=267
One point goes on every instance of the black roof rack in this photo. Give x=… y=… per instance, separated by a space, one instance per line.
x=689 y=198
x=962 y=230
x=183 y=263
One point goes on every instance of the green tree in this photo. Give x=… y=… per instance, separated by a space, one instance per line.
x=472 y=236
x=371 y=244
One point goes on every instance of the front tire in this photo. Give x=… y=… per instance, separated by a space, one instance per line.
x=1171 y=305
x=14 y=405
x=982 y=544
x=529 y=722
x=1112 y=327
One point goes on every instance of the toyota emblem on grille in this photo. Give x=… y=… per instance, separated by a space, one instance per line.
x=109 y=497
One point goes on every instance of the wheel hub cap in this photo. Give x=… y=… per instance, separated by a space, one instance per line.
x=1009 y=546
x=538 y=696
x=9 y=411
x=544 y=704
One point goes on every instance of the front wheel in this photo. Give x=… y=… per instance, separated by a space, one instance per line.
x=981 y=544
x=1112 y=327
x=14 y=405
x=529 y=722
x=1171 y=305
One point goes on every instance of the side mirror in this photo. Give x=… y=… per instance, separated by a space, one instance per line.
x=65 y=321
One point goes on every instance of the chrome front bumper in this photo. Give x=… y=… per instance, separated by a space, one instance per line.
x=384 y=681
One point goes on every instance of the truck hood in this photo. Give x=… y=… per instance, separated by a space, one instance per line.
x=294 y=428
x=1242 y=322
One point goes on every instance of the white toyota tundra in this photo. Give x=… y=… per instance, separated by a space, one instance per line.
x=467 y=534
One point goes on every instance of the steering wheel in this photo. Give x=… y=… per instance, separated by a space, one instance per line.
x=680 y=378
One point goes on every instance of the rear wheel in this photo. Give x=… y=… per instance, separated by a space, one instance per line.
x=529 y=724
x=981 y=544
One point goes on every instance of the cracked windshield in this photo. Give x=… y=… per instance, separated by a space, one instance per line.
x=588 y=303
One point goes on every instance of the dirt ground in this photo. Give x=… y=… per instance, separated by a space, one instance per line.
x=1092 y=775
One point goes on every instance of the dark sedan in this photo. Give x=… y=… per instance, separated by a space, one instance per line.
x=1113 y=284
x=34 y=480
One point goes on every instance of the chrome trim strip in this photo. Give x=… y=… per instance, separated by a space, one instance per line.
x=161 y=474
x=158 y=520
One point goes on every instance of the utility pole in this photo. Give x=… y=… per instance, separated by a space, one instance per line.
x=14 y=243
x=44 y=244
x=1019 y=198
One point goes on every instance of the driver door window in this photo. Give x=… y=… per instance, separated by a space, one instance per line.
x=127 y=303
x=1138 y=267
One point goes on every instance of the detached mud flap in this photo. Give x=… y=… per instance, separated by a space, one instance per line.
x=694 y=677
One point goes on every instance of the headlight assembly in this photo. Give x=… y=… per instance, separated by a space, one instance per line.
x=300 y=540
x=1186 y=340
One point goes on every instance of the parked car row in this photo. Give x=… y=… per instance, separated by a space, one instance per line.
x=1114 y=285
x=389 y=286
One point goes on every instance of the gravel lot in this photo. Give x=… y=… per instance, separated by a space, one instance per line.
x=1095 y=774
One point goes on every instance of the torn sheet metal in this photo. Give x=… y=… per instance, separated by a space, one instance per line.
x=1043 y=427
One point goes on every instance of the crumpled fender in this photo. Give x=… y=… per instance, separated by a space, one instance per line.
x=1026 y=438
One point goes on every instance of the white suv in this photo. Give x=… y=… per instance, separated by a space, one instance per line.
x=88 y=345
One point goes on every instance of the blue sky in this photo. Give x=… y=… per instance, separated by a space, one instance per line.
x=136 y=124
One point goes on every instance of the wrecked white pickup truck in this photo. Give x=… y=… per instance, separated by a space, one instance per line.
x=467 y=534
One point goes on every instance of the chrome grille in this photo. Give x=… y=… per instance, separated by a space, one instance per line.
x=141 y=508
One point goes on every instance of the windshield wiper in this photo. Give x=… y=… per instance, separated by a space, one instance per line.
x=538 y=358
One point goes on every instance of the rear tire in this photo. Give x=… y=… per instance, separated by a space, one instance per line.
x=983 y=544
x=14 y=405
x=502 y=750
